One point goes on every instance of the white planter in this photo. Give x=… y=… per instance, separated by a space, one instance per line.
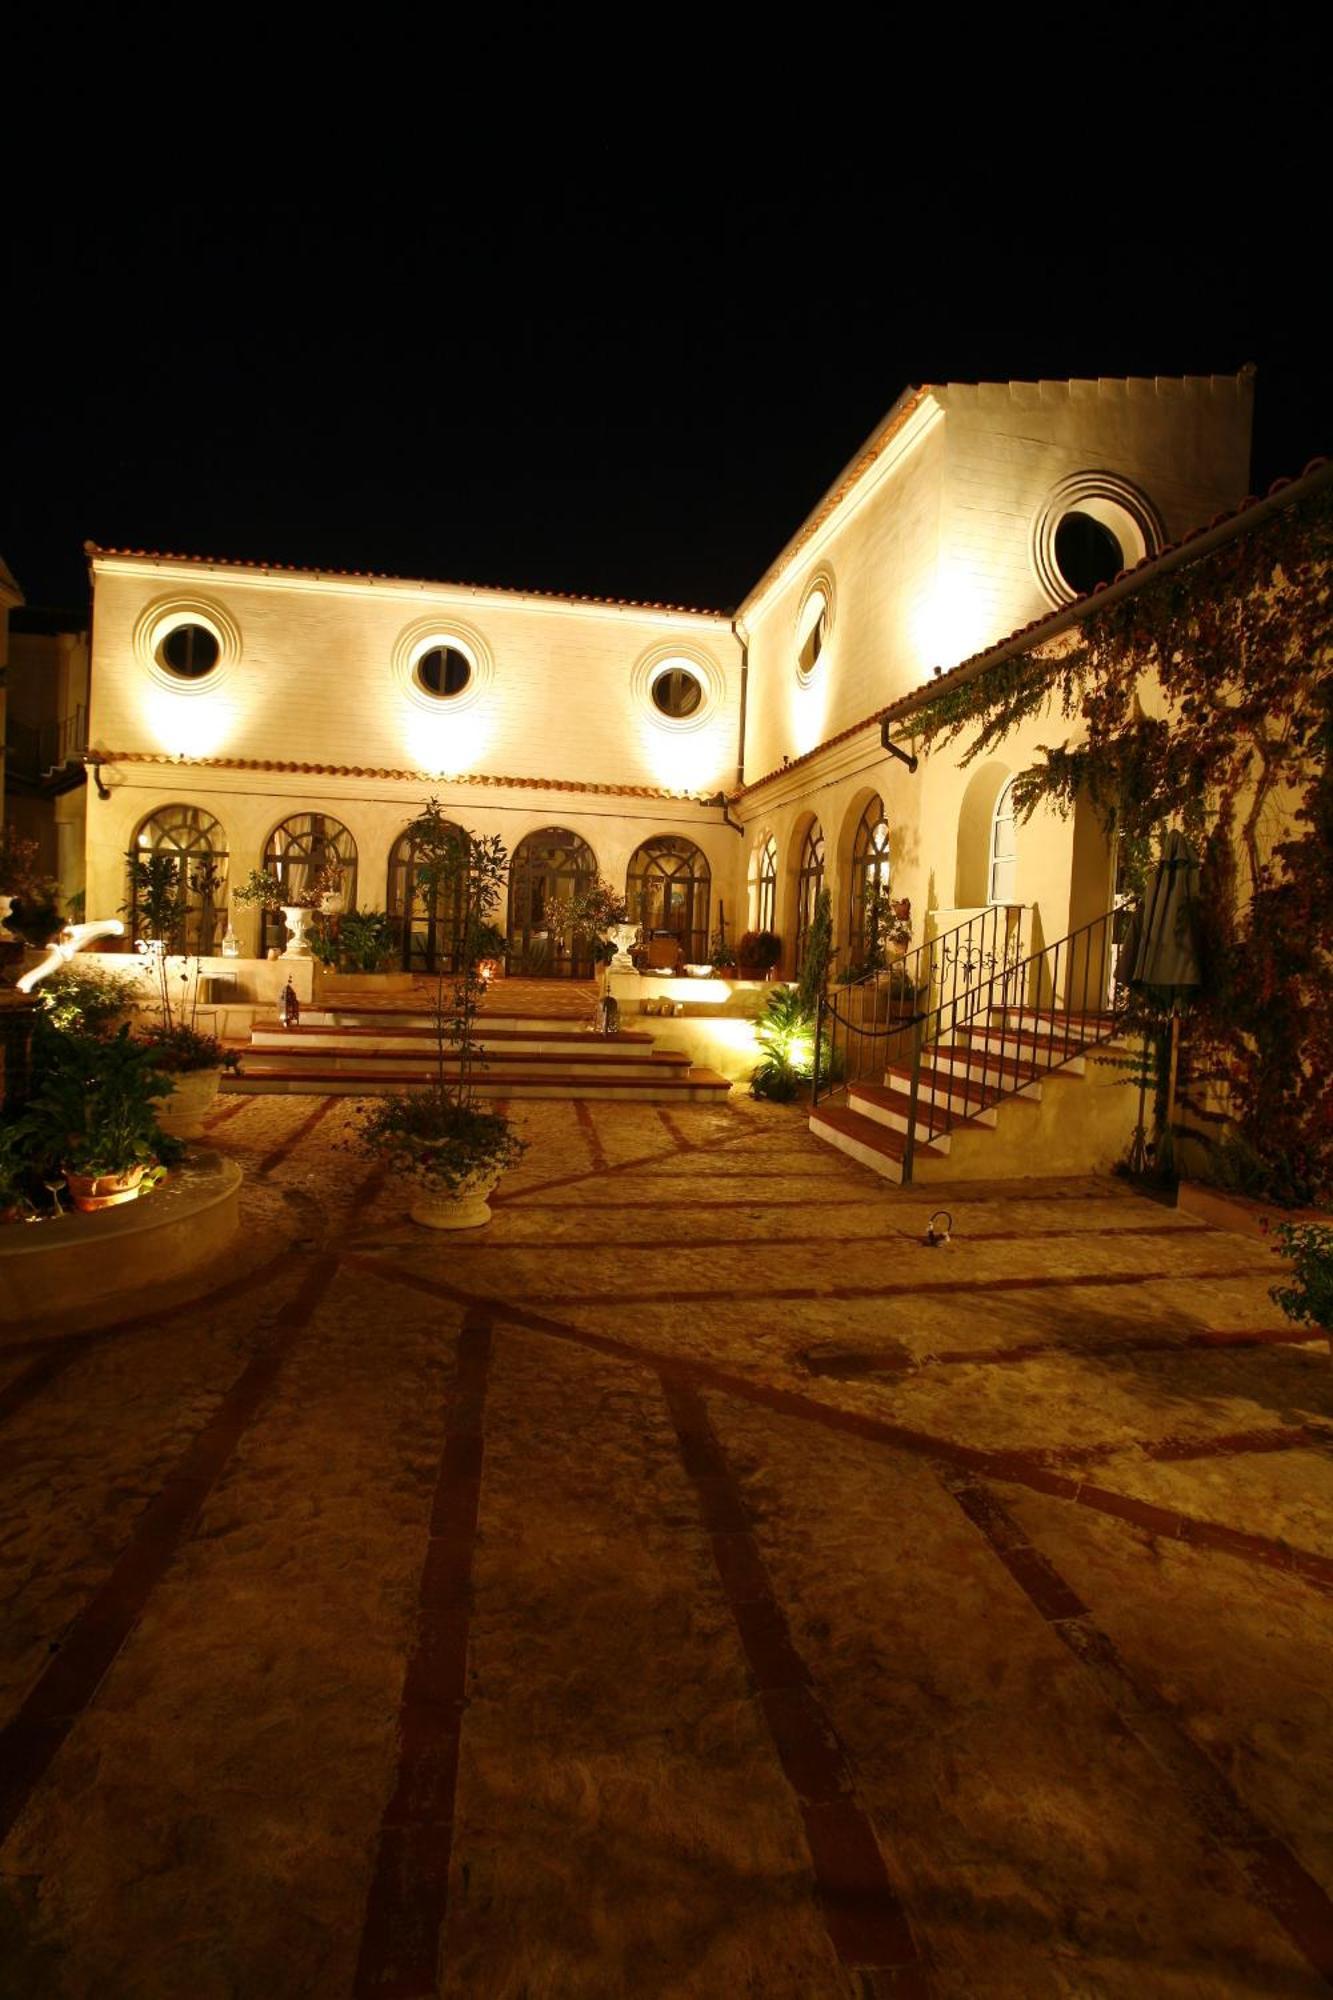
x=467 y=1208
x=296 y=916
x=182 y=1115
x=623 y=936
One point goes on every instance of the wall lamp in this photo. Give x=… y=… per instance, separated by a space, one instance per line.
x=894 y=749
x=93 y=761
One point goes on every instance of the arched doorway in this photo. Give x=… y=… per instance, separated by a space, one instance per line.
x=298 y=852
x=869 y=877
x=191 y=848
x=549 y=868
x=809 y=882
x=429 y=926
x=667 y=888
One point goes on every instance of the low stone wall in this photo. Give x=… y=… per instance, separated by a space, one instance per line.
x=49 y=1267
x=714 y=1023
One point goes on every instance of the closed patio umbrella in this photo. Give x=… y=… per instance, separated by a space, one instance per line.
x=1165 y=966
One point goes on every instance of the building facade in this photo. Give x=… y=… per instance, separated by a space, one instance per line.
x=718 y=766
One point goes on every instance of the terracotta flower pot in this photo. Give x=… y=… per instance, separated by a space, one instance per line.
x=93 y=1191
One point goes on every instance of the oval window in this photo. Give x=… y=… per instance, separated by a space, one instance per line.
x=1087 y=552
x=191 y=651
x=677 y=693
x=444 y=671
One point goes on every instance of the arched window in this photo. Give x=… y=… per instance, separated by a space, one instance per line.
x=809 y=882
x=548 y=868
x=179 y=855
x=870 y=879
x=1003 y=883
x=430 y=926
x=766 y=887
x=306 y=850
x=667 y=888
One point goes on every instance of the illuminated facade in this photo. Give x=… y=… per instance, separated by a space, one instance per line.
x=242 y=712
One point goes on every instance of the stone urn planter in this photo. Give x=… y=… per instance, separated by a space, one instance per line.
x=296 y=917
x=90 y=1192
x=623 y=936
x=464 y=1207
x=182 y=1115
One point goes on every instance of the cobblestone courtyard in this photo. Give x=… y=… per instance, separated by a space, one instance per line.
x=692 y=1584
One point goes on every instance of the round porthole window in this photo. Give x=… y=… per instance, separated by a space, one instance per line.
x=677 y=693
x=443 y=671
x=814 y=621
x=1093 y=526
x=188 y=651
x=1086 y=552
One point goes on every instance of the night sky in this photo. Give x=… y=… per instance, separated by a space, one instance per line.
x=600 y=376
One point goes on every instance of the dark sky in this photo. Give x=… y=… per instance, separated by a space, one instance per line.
x=602 y=374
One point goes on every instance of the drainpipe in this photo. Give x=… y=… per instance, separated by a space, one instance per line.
x=895 y=749
x=744 y=644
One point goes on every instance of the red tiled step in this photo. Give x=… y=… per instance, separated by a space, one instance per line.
x=667 y=1081
x=484 y=1032
x=864 y=1139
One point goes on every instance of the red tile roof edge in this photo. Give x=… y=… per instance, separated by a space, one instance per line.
x=105 y=757
x=94 y=551
x=1282 y=491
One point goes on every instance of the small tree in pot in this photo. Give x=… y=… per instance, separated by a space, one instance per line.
x=94 y=1117
x=439 y=1139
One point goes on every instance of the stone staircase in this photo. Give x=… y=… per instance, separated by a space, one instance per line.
x=1016 y=1091
x=341 y=1050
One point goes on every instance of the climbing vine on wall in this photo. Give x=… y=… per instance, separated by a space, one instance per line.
x=1204 y=700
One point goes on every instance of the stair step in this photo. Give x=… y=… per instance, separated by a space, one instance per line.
x=864 y=1139
x=961 y=1060
x=670 y=1084
x=891 y=1100
x=371 y=1062
x=310 y=1025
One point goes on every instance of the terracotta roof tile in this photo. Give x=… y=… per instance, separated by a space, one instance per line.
x=105 y=757
x=94 y=550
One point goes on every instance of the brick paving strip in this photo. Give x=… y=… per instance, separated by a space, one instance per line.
x=60 y=1351
x=405 y=1912
x=277 y=1154
x=907 y=1287
x=751 y=1129
x=588 y=1127
x=1017 y=1467
x=1273 y=1877
x=232 y=1109
x=863 y=1915
x=850 y=1364
x=673 y=1131
x=31 y=1739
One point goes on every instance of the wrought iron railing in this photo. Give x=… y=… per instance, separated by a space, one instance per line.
x=1015 y=1024
x=36 y=751
x=860 y=1021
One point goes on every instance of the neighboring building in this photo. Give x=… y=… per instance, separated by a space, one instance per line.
x=45 y=737
x=247 y=716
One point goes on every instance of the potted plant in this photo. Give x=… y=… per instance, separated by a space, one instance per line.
x=93 y=1118
x=259 y=891
x=156 y=906
x=597 y=918
x=450 y=1150
x=758 y=952
x=195 y=1064
x=721 y=955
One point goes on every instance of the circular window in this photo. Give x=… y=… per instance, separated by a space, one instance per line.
x=443 y=671
x=814 y=621
x=189 y=650
x=1086 y=552
x=1093 y=526
x=677 y=693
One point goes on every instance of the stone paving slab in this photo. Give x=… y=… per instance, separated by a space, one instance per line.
x=689 y=1585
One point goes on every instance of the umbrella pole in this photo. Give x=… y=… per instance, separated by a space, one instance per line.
x=1168 y=1138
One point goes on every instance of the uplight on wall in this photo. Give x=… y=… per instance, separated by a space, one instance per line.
x=952 y=620
x=448 y=744
x=193 y=725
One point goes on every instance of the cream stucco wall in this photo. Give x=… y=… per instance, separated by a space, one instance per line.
x=318 y=676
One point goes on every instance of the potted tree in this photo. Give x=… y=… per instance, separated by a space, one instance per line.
x=450 y=1151
x=194 y=1061
x=93 y=1118
x=29 y=899
x=597 y=919
x=259 y=891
